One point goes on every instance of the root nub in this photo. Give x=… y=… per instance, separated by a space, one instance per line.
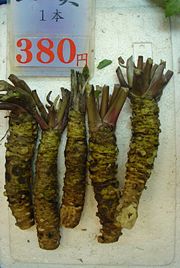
x=128 y=216
x=70 y=216
x=109 y=234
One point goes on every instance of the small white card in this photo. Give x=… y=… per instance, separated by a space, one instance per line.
x=48 y=38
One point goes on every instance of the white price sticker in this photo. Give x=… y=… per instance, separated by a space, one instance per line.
x=50 y=37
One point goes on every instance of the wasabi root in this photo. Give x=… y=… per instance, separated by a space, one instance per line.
x=146 y=82
x=75 y=156
x=20 y=148
x=102 y=158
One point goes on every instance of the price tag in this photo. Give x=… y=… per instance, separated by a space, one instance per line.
x=48 y=38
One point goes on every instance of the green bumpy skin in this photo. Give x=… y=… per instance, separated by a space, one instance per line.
x=143 y=150
x=20 y=148
x=103 y=168
x=75 y=175
x=46 y=194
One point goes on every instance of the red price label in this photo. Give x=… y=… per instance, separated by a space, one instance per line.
x=45 y=51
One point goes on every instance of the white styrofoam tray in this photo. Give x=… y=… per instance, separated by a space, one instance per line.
x=121 y=29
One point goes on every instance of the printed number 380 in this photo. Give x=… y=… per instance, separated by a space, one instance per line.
x=25 y=46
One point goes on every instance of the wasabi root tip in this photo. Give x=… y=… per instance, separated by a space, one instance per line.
x=127 y=216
